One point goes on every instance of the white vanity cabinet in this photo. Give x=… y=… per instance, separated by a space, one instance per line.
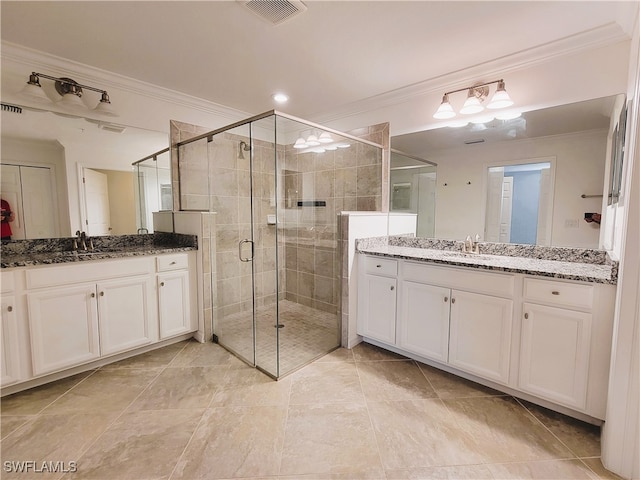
x=377 y=299
x=455 y=316
x=78 y=313
x=176 y=311
x=557 y=344
x=10 y=371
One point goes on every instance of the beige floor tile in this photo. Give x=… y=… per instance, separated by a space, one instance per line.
x=393 y=381
x=138 y=446
x=326 y=383
x=234 y=442
x=504 y=431
x=250 y=387
x=329 y=439
x=595 y=464
x=181 y=388
x=105 y=391
x=338 y=355
x=153 y=359
x=32 y=401
x=582 y=438
x=367 y=475
x=458 y=472
x=448 y=385
x=365 y=352
x=543 y=470
x=53 y=438
x=420 y=433
x=9 y=424
x=196 y=354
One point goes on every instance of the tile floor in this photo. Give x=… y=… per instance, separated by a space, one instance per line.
x=193 y=411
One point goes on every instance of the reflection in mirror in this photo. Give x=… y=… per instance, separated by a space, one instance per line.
x=45 y=157
x=413 y=190
x=518 y=204
x=575 y=136
x=152 y=188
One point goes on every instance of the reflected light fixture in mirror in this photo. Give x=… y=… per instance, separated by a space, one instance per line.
x=476 y=95
x=70 y=92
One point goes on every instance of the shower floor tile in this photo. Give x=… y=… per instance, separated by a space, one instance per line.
x=305 y=334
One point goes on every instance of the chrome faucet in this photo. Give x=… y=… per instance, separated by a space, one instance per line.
x=83 y=240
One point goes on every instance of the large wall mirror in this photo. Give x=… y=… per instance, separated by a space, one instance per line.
x=533 y=179
x=61 y=173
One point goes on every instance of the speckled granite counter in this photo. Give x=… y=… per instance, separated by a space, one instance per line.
x=587 y=265
x=26 y=253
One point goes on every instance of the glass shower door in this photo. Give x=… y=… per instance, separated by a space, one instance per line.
x=230 y=187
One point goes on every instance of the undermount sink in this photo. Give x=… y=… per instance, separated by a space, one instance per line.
x=464 y=255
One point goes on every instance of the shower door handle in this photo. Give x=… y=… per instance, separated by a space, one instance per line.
x=240 y=243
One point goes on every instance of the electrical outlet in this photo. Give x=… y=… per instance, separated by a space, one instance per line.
x=571 y=223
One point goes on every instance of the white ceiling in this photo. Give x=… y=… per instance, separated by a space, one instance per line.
x=335 y=54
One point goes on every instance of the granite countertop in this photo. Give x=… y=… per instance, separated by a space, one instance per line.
x=27 y=253
x=570 y=270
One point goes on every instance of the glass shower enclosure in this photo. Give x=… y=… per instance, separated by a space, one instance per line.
x=277 y=185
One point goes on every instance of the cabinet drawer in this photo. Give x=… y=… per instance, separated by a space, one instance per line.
x=6 y=282
x=469 y=279
x=563 y=294
x=172 y=262
x=380 y=266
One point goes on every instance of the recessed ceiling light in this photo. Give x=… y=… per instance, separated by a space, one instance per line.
x=280 y=97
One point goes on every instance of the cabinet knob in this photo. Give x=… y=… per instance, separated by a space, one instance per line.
x=555 y=292
x=446 y=299
x=393 y=288
x=93 y=295
x=378 y=266
x=162 y=284
x=102 y=294
x=9 y=308
x=172 y=263
x=526 y=316
x=453 y=300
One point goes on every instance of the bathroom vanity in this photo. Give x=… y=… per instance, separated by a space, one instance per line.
x=68 y=311
x=539 y=329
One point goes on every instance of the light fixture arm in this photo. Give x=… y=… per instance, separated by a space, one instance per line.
x=68 y=81
x=475 y=86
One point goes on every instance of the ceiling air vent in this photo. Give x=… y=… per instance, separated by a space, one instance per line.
x=275 y=11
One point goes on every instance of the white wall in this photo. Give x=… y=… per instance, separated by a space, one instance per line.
x=579 y=169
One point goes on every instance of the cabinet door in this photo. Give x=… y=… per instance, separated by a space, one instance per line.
x=377 y=308
x=9 y=341
x=480 y=336
x=423 y=322
x=64 y=327
x=554 y=354
x=126 y=312
x=173 y=301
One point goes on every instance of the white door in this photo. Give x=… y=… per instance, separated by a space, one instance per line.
x=173 y=303
x=554 y=357
x=480 y=335
x=505 y=211
x=39 y=202
x=377 y=308
x=125 y=313
x=11 y=191
x=9 y=342
x=423 y=322
x=494 y=204
x=96 y=195
x=64 y=327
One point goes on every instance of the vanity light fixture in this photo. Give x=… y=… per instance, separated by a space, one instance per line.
x=70 y=91
x=318 y=143
x=476 y=94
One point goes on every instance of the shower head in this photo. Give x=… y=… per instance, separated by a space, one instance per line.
x=244 y=146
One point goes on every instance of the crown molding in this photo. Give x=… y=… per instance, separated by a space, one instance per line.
x=598 y=37
x=37 y=60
